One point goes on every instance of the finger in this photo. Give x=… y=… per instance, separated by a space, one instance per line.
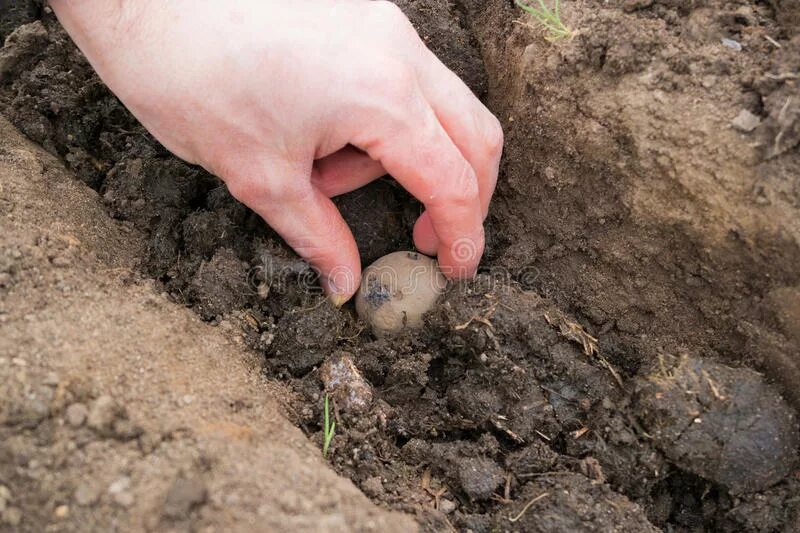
x=308 y=221
x=411 y=144
x=345 y=171
x=425 y=238
x=472 y=127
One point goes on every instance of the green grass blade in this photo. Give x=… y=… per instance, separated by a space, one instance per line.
x=328 y=428
x=549 y=19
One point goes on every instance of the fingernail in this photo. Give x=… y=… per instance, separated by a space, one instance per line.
x=339 y=285
x=337 y=300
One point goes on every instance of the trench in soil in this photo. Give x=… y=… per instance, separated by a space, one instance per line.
x=498 y=400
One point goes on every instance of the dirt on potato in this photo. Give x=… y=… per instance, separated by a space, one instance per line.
x=628 y=358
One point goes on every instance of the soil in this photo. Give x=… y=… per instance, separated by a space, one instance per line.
x=629 y=357
x=122 y=411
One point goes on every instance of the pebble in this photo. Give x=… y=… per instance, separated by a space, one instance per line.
x=730 y=43
x=62 y=511
x=61 y=261
x=121 y=484
x=33 y=413
x=745 y=121
x=124 y=499
x=149 y=441
x=77 y=414
x=102 y=413
x=86 y=494
x=120 y=493
x=12 y=516
x=125 y=429
x=184 y=495
x=373 y=487
x=480 y=477
x=345 y=384
x=446 y=506
x=5 y=497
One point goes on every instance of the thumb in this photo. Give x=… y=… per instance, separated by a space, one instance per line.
x=307 y=220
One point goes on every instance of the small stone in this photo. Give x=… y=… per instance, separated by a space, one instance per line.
x=33 y=412
x=373 y=487
x=86 y=494
x=102 y=414
x=120 y=493
x=124 y=499
x=76 y=414
x=61 y=511
x=52 y=379
x=345 y=384
x=446 y=506
x=61 y=261
x=184 y=495
x=480 y=477
x=745 y=121
x=730 y=43
x=590 y=467
x=12 y=516
x=120 y=485
x=19 y=361
x=708 y=81
x=125 y=429
x=149 y=441
x=5 y=498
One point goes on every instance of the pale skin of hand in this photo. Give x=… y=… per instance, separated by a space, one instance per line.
x=292 y=103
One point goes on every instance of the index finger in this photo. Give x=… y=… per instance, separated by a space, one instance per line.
x=411 y=144
x=473 y=128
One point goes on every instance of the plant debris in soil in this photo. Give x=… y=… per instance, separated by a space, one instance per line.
x=515 y=407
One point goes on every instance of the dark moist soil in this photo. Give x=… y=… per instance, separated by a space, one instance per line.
x=641 y=262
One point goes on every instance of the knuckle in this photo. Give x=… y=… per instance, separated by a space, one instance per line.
x=393 y=95
x=479 y=242
x=399 y=81
x=388 y=78
x=387 y=12
x=465 y=188
x=309 y=249
x=319 y=246
x=494 y=137
x=394 y=25
x=462 y=190
x=257 y=190
x=240 y=189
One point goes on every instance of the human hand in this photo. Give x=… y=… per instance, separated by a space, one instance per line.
x=291 y=103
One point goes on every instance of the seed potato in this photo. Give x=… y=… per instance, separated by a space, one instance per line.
x=397 y=289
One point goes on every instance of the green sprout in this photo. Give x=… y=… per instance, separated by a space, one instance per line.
x=329 y=428
x=550 y=19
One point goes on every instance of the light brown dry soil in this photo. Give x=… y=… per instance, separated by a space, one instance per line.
x=122 y=411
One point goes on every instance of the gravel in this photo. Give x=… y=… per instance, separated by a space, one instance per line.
x=77 y=414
